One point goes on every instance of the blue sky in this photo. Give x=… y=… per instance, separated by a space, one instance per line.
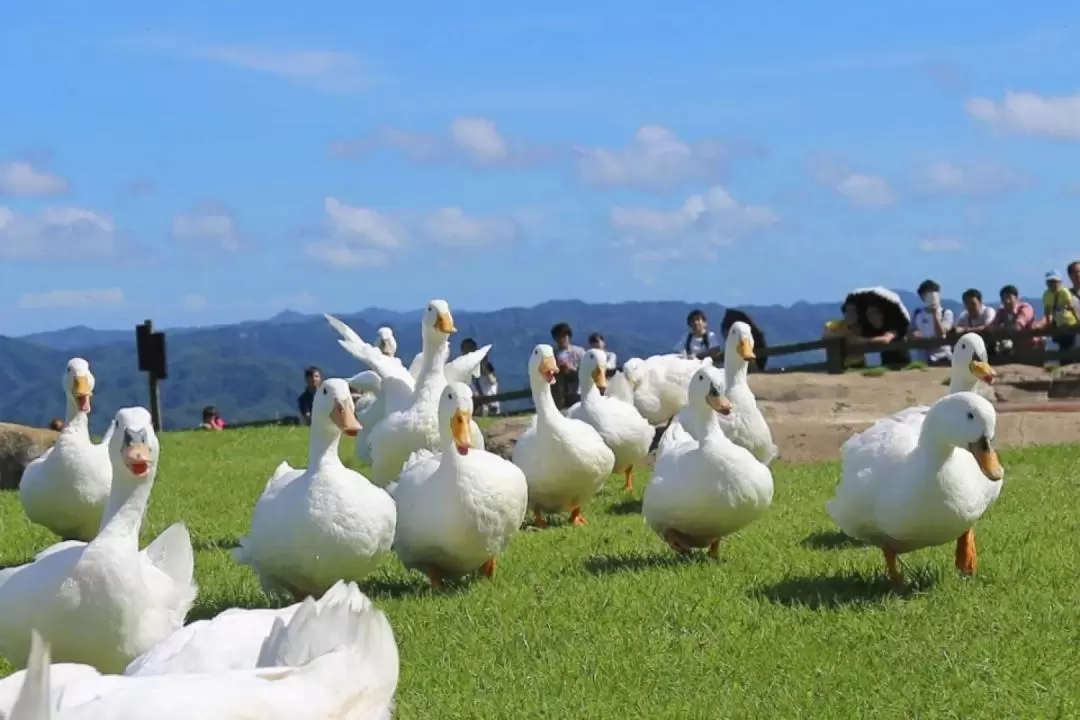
x=209 y=163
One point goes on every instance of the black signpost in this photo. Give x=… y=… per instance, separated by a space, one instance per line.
x=150 y=346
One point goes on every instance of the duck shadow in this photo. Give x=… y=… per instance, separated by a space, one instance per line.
x=842 y=591
x=830 y=540
x=220 y=543
x=206 y=611
x=631 y=506
x=626 y=562
x=394 y=588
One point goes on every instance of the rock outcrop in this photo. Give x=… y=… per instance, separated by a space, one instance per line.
x=501 y=436
x=18 y=446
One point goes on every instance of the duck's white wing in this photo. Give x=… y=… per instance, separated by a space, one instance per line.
x=674 y=436
x=414 y=366
x=463 y=369
x=386 y=367
x=172 y=554
x=35 y=698
x=619 y=387
x=366 y=381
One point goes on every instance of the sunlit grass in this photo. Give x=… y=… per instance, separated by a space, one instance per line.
x=794 y=621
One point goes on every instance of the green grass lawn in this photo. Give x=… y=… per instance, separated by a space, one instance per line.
x=603 y=622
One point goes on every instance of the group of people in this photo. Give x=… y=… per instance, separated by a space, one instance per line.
x=867 y=322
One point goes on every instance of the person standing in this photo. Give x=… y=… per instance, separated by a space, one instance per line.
x=568 y=358
x=312 y=380
x=932 y=321
x=699 y=340
x=597 y=342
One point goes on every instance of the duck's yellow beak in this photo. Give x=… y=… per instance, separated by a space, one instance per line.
x=461 y=431
x=549 y=369
x=987 y=458
x=137 y=458
x=719 y=403
x=983 y=371
x=345 y=419
x=746 y=349
x=444 y=323
x=599 y=378
x=80 y=390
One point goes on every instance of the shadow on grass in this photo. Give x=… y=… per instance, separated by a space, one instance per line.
x=220 y=543
x=846 y=590
x=830 y=540
x=205 y=611
x=608 y=564
x=631 y=506
x=395 y=587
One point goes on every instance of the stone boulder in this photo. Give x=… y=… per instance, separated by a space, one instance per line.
x=501 y=436
x=18 y=446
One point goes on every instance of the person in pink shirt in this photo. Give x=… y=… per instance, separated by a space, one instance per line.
x=1014 y=314
x=211 y=419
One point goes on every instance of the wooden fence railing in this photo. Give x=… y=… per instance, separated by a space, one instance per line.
x=837 y=349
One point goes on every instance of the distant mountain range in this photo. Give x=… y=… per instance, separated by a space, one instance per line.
x=254 y=370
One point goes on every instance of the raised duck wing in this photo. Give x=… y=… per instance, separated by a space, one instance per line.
x=463 y=369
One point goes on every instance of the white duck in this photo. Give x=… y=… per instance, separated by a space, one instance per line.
x=103 y=603
x=66 y=488
x=745 y=425
x=457 y=509
x=416 y=426
x=622 y=427
x=916 y=481
x=704 y=489
x=313 y=527
x=335 y=660
x=565 y=461
x=369 y=411
x=969 y=367
x=232 y=640
x=659 y=383
x=386 y=342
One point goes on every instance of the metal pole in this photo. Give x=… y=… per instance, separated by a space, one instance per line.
x=155 y=402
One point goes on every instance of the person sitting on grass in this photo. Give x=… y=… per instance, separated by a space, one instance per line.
x=211 y=419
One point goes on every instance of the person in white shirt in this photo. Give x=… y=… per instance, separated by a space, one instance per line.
x=597 y=342
x=489 y=385
x=699 y=339
x=977 y=316
x=932 y=321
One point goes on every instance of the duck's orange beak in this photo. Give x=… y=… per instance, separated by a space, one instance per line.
x=549 y=369
x=746 y=349
x=987 y=458
x=599 y=378
x=461 y=430
x=719 y=403
x=444 y=323
x=345 y=419
x=80 y=390
x=983 y=371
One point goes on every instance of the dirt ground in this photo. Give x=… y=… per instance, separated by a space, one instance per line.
x=811 y=414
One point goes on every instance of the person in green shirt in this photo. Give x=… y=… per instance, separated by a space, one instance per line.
x=1061 y=309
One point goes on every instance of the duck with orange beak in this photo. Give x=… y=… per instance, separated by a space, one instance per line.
x=745 y=424
x=415 y=426
x=313 y=527
x=565 y=460
x=66 y=489
x=458 y=508
x=705 y=487
x=621 y=426
x=912 y=481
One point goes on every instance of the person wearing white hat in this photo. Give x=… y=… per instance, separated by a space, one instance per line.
x=1061 y=309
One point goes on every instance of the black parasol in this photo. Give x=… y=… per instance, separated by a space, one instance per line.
x=887 y=302
x=732 y=316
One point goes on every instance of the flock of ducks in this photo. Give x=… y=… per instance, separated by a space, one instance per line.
x=113 y=615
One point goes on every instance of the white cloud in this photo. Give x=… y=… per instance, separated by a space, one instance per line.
x=210 y=223
x=977 y=179
x=940 y=244
x=363 y=226
x=656 y=159
x=20 y=178
x=473 y=141
x=861 y=189
x=65 y=234
x=645 y=264
x=194 y=302
x=1026 y=113
x=342 y=255
x=109 y=297
x=452 y=227
x=338 y=72
x=715 y=211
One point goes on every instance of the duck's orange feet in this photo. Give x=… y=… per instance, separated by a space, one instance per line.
x=676 y=541
x=539 y=520
x=714 y=549
x=628 y=486
x=576 y=518
x=433 y=577
x=965 y=552
x=488 y=568
x=895 y=576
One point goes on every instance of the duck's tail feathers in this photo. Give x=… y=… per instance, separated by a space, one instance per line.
x=171 y=553
x=108 y=434
x=339 y=620
x=35 y=699
x=772 y=452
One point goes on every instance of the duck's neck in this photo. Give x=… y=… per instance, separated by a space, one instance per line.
x=734 y=369
x=450 y=457
x=323 y=445
x=931 y=448
x=432 y=364
x=544 y=403
x=701 y=419
x=123 y=515
x=76 y=417
x=961 y=379
x=589 y=392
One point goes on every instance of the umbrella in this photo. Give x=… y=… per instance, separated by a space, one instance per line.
x=890 y=305
x=732 y=316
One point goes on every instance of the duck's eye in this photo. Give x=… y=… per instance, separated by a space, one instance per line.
x=963 y=347
x=971 y=416
x=325 y=391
